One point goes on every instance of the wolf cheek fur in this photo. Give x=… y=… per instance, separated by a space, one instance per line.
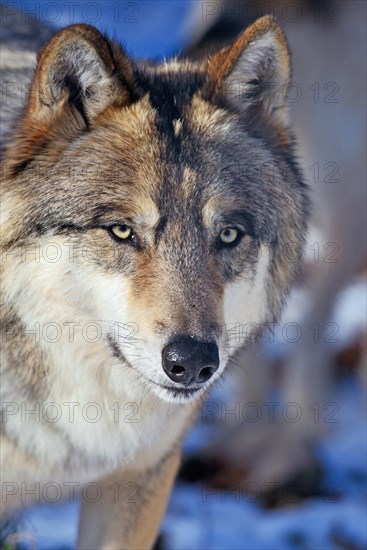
x=172 y=155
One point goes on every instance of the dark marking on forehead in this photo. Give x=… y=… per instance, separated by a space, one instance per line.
x=170 y=92
x=171 y=89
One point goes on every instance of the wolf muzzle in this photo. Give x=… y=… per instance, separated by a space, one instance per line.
x=188 y=361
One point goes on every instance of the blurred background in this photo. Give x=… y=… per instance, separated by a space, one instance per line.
x=277 y=458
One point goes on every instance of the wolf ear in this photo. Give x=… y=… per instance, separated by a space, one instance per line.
x=78 y=75
x=252 y=76
x=81 y=70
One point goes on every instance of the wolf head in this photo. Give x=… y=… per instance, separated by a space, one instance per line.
x=171 y=197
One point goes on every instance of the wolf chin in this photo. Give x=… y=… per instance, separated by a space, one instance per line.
x=146 y=210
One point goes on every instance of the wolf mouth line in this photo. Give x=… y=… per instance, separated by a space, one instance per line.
x=174 y=391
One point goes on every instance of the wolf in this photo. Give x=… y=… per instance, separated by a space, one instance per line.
x=147 y=209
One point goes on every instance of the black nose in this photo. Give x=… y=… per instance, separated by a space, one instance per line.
x=188 y=361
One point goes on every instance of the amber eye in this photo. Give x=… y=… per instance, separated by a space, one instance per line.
x=229 y=235
x=122 y=232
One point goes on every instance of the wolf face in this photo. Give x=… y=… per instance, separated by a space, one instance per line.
x=161 y=203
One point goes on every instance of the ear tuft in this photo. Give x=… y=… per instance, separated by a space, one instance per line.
x=253 y=74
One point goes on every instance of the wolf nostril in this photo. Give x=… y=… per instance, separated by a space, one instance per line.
x=205 y=374
x=187 y=361
x=178 y=370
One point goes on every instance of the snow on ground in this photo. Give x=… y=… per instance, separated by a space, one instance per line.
x=217 y=519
